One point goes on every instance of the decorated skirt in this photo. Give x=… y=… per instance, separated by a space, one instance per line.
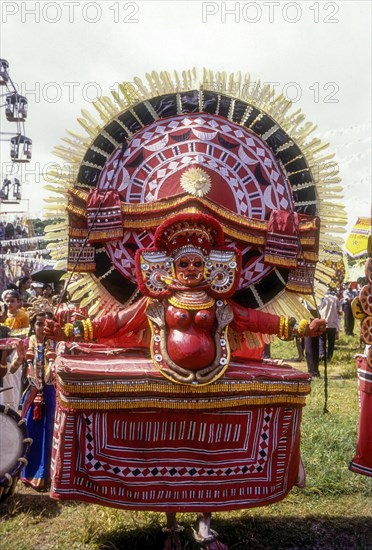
x=127 y=437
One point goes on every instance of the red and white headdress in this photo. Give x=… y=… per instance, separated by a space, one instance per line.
x=188 y=233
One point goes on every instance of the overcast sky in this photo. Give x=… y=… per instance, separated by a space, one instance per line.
x=63 y=54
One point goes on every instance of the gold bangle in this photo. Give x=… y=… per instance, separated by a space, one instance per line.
x=68 y=329
x=303 y=325
x=85 y=328
x=281 y=327
x=90 y=329
x=4 y=367
x=286 y=328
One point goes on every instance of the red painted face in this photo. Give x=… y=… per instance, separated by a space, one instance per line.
x=189 y=269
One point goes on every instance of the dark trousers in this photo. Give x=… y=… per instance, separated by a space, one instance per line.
x=349 y=320
x=327 y=343
x=312 y=354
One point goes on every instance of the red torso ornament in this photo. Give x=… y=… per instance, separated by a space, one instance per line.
x=190 y=343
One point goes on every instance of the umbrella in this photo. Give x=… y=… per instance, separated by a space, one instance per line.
x=48 y=275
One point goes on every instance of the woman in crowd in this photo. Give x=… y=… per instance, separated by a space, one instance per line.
x=24 y=285
x=39 y=400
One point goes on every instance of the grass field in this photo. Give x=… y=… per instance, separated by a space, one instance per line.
x=334 y=511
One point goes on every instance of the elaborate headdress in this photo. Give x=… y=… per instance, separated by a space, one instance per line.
x=188 y=233
x=219 y=145
x=189 y=230
x=41 y=306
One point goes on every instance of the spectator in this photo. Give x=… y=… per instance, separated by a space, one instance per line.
x=17 y=317
x=39 y=401
x=311 y=346
x=47 y=292
x=349 y=321
x=330 y=309
x=24 y=284
x=36 y=290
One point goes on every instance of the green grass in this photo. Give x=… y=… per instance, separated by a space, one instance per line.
x=334 y=511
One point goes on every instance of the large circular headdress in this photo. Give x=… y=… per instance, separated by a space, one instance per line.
x=183 y=144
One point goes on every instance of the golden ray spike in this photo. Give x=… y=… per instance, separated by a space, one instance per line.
x=246 y=87
x=205 y=76
x=189 y=80
x=142 y=88
x=185 y=84
x=94 y=308
x=109 y=106
x=276 y=111
x=92 y=121
x=118 y=99
x=295 y=123
x=151 y=83
x=178 y=81
x=224 y=79
x=52 y=215
x=255 y=92
x=231 y=86
x=238 y=80
x=57 y=208
x=55 y=189
x=126 y=95
x=158 y=83
x=74 y=144
x=55 y=200
x=305 y=131
x=56 y=236
x=167 y=82
x=82 y=291
x=92 y=133
x=326 y=158
x=265 y=97
x=211 y=81
x=282 y=116
x=68 y=152
x=293 y=116
x=102 y=111
x=56 y=226
x=87 y=300
x=315 y=148
x=60 y=264
x=82 y=141
x=82 y=280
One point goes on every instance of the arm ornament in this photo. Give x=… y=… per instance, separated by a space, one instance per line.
x=289 y=328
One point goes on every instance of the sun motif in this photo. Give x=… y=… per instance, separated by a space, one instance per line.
x=196 y=182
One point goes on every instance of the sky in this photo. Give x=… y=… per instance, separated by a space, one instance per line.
x=62 y=55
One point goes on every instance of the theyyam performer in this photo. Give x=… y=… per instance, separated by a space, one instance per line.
x=193 y=231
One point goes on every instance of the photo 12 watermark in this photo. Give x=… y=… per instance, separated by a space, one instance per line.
x=74 y=91
x=270 y=12
x=69 y=12
x=318 y=92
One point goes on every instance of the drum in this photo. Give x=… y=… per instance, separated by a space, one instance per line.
x=14 y=447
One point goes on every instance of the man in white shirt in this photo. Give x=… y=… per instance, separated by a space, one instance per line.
x=330 y=309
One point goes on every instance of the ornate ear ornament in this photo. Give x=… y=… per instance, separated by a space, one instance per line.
x=222 y=267
x=154 y=269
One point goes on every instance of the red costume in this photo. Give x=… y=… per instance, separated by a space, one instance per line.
x=205 y=204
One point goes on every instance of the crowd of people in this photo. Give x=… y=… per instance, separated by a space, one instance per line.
x=26 y=380
x=336 y=308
